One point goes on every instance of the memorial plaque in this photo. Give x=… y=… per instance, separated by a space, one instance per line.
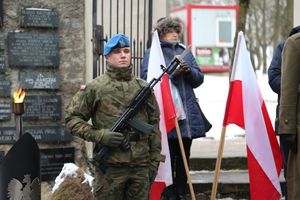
x=1 y=13
x=49 y=134
x=7 y=135
x=2 y=64
x=42 y=107
x=2 y=41
x=52 y=161
x=5 y=109
x=4 y=88
x=1 y=156
x=38 y=17
x=39 y=80
x=33 y=49
x=42 y=134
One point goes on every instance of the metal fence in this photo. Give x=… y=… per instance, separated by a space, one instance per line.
x=132 y=18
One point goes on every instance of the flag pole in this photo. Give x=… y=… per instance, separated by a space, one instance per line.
x=186 y=167
x=218 y=164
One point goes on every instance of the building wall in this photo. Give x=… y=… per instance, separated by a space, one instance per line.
x=72 y=60
x=296 y=13
x=71 y=44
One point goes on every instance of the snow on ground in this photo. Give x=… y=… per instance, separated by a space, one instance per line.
x=212 y=96
x=70 y=169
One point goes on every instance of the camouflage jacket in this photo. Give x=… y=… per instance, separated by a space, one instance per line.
x=103 y=101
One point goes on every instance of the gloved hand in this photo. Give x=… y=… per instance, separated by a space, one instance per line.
x=111 y=139
x=183 y=69
x=152 y=175
x=289 y=141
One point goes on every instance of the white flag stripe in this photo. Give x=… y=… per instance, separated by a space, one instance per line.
x=256 y=133
x=156 y=59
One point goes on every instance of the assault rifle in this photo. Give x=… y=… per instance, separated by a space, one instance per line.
x=127 y=118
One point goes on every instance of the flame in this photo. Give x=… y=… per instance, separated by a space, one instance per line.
x=19 y=95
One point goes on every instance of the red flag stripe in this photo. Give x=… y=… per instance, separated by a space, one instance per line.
x=169 y=109
x=156 y=190
x=265 y=190
x=234 y=112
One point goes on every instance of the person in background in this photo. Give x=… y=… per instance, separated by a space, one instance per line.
x=126 y=174
x=289 y=112
x=274 y=75
x=191 y=120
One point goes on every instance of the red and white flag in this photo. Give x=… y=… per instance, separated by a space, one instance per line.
x=246 y=108
x=167 y=115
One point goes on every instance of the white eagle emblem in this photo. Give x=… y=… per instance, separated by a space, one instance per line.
x=24 y=191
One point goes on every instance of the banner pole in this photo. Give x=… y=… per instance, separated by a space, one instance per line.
x=218 y=164
x=186 y=167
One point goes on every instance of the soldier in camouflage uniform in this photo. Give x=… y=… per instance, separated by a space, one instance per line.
x=128 y=173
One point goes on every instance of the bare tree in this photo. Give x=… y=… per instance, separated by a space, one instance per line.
x=268 y=23
x=241 y=23
x=277 y=22
x=288 y=17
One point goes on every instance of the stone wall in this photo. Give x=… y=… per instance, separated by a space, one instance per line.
x=71 y=70
x=71 y=39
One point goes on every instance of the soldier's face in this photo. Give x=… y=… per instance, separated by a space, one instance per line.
x=119 y=57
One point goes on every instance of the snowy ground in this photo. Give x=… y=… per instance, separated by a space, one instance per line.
x=212 y=95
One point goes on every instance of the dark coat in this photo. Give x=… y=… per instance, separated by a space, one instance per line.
x=193 y=125
x=274 y=74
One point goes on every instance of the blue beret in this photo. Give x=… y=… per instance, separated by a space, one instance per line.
x=116 y=41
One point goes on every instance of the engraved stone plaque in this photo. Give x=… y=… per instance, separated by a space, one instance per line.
x=49 y=133
x=1 y=13
x=42 y=107
x=1 y=156
x=5 y=109
x=4 y=88
x=39 y=17
x=39 y=80
x=42 y=134
x=52 y=161
x=2 y=41
x=7 y=135
x=2 y=64
x=33 y=49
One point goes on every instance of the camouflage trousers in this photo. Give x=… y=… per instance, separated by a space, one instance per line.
x=122 y=183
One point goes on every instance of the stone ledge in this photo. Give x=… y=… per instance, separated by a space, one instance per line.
x=227 y=163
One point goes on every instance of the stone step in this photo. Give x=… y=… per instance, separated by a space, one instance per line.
x=234 y=179
x=233 y=184
x=227 y=163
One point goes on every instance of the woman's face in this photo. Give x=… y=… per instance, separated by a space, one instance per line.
x=172 y=36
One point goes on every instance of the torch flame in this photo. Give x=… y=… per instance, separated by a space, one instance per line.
x=19 y=95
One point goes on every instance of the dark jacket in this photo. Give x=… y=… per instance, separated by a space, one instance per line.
x=193 y=125
x=274 y=74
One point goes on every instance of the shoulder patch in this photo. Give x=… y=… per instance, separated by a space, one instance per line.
x=82 y=87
